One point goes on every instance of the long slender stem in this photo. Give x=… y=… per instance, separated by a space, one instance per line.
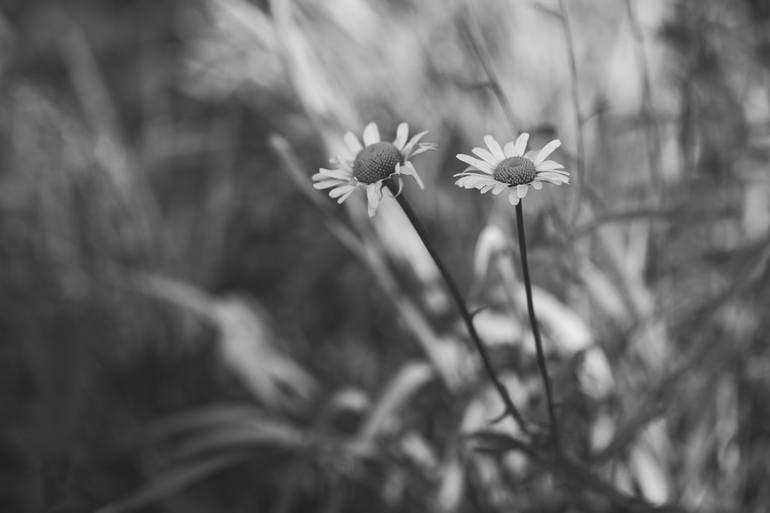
x=535 y=330
x=461 y=306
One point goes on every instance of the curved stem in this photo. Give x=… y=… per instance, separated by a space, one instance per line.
x=461 y=306
x=535 y=330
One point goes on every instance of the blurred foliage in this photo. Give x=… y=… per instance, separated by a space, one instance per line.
x=185 y=325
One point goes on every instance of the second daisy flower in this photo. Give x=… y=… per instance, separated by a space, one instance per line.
x=498 y=168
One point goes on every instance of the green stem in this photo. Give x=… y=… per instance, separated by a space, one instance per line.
x=461 y=306
x=535 y=330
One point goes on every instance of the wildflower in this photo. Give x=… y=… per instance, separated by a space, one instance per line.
x=370 y=164
x=500 y=168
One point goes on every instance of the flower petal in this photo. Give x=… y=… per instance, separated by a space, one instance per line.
x=520 y=145
x=553 y=180
x=342 y=189
x=339 y=174
x=345 y=196
x=513 y=199
x=499 y=187
x=556 y=172
x=552 y=175
x=326 y=184
x=486 y=156
x=373 y=197
x=486 y=188
x=547 y=150
x=422 y=148
x=408 y=169
x=478 y=164
x=354 y=145
x=537 y=185
x=549 y=165
x=475 y=181
x=408 y=149
x=371 y=134
x=521 y=190
x=402 y=132
x=494 y=147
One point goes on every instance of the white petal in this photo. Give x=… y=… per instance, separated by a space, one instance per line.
x=345 y=196
x=520 y=145
x=467 y=182
x=475 y=181
x=552 y=175
x=531 y=155
x=400 y=186
x=556 y=172
x=408 y=149
x=408 y=169
x=549 y=165
x=547 y=150
x=554 y=181
x=537 y=185
x=478 y=164
x=499 y=187
x=353 y=143
x=512 y=198
x=486 y=156
x=325 y=184
x=494 y=147
x=486 y=188
x=371 y=134
x=480 y=176
x=521 y=190
x=334 y=173
x=422 y=148
x=402 y=132
x=508 y=149
x=373 y=196
x=342 y=189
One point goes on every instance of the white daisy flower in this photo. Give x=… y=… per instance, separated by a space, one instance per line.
x=371 y=163
x=499 y=168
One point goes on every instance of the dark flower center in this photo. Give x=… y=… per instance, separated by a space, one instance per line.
x=515 y=171
x=376 y=162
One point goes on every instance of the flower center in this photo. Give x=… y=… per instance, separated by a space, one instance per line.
x=515 y=171
x=376 y=162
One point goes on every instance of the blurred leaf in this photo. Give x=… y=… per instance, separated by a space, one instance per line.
x=246 y=342
x=398 y=391
x=202 y=419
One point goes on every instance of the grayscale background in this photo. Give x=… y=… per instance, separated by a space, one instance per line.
x=186 y=326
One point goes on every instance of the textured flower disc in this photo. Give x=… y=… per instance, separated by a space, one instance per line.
x=515 y=171
x=376 y=162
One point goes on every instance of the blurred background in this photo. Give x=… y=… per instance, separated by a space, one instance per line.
x=187 y=326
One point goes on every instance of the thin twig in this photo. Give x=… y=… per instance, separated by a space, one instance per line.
x=535 y=330
x=570 y=472
x=461 y=306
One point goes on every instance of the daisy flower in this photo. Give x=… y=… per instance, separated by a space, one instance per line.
x=499 y=168
x=371 y=163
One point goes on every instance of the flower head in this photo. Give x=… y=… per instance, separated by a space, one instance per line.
x=371 y=163
x=499 y=168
